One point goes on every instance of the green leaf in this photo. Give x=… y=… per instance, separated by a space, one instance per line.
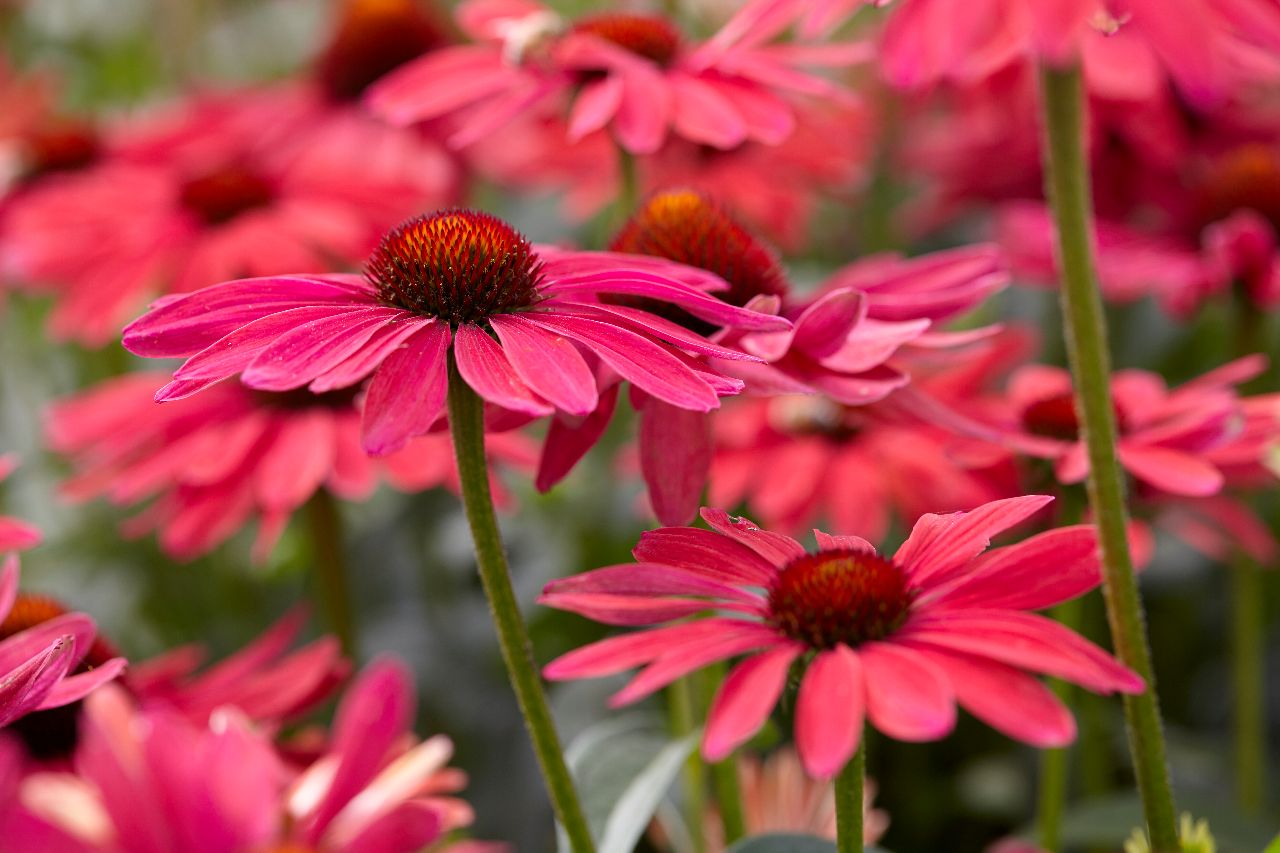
x=623 y=769
x=1274 y=846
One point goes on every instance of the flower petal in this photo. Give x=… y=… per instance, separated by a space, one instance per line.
x=829 y=711
x=675 y=458
x=485 y=367
x=408 y=391
x=908 y=697
x=548 y=363
x=774 y=547
x=939 y=544
x=745 y=699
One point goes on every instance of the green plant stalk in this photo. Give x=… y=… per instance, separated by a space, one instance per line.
x=1248 y=681
x=329 y=564
x=680 y=706
x=849 y=784
x=466 y=421
x=1055 y=764
x=1067 y=184
x=724 y=774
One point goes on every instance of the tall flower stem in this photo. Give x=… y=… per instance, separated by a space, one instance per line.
x=466 y=420
x=680 y=701
x=1067 y=183
x=849 y=784
x=1055 y=764
x=1248 y=681
x=724 y=774
x=329 y=562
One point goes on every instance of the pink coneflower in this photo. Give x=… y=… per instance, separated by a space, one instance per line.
x=901 y=465
x=524 y=325
x=49 y=657
x=206 y=466
x=216 y=188
x=897 y=640
x=150 y=780
x=15 y=534
x=265 y=681
x=635 y=74
x=839 y=346
x=1164 y=435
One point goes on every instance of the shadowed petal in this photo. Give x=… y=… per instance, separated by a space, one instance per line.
x=908 y=697
x=548 y=363
x=408 y=391
x=745 y=699
x=829 y=711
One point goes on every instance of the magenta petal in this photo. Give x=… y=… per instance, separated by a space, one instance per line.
x=485 y=367
x=641 y=283
x=829 y=711
x=410 y=825
x=675 y=457
x=825 y=325
x=940 y=543
x=701 y=114
x=21 y=646
x=548 y=363
x=774 y=547
x=710 y=554
x=76 y=687
x=8 y=584
x=642 y=321
x=615 y=654
x=745 y=699
x=384 y=341
x=636 y=358
x=408 y=391
x=745 y=637
x=1172 y=471
x=18 y=535
x=646 y=580
x=596 y=105
x=908 y=697
x=312 y=349
x=24 y=687
x=827 y=542
x=1009 y=701
x=1045 y=570
x=566 y=444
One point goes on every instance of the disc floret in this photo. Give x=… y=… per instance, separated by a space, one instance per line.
x=461 y=266
x=649 y=36
x=839 y=596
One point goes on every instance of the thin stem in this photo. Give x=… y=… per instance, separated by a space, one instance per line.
x=724 y=774
x=329 y=558
x=849 y=807
x=1067 y=182
x=466 y=420
x=1248 y=682
x=683 y=716
x=1055 y=764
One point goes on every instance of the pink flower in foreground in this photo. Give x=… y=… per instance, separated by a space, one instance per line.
x=839 y=345
x=265 y=681
x=899 y=641
x=525 y=326
x=635 y=74
x=215 y=189
x=48 y=656
x=15 y=535
x=209 y=464
x=1164 y=436
x=150 y=780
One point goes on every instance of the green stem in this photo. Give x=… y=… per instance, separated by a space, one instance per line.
x=849 y=802
x=724 y=774
x=1067 y=183
x=683 y=721
x=329 y=561
x=1248 y=680
x=1055 y=764
x=466 y=420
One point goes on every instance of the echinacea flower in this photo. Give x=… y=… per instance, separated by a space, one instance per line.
x=1164 y=435
x=204 y=466
x=635 y=74
x=214 y=188
x=839 y=345
x=898 y=641
x=48 y=656
x=457 y=286
x=150 y=780
x=15 y=534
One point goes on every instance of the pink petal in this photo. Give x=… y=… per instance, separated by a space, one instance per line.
x=774 y=547
x=827 y=542
x=596 y=105
x=548 y=363
x=1172 y=471
x=9 y=574
x=616 y=654
x=17 y=535
x=409 y=825
x=19 y=647
x=637 y=282
x=702 y=114
x=825 y=325
x=1045 y=570
x=1009 y=701
x=566 y=444
x=908 y=697
x=707 y=553
x=745 y=699
x=485 y=367
x=675 y=457
x=312 y=349
x=645 y=110
x=384 y=341
x=76 y=687
x=938 y=544
x=677 y=663
x=829 y=711
x=408 y=391
x=24 y=687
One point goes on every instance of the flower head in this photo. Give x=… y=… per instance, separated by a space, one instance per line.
x=525 y=325
x=897 y=640
x=49 y=657
x=632 y=73
x=207 y=465
x=371 y=38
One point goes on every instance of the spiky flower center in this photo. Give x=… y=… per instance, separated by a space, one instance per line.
x=219 y=196
x=372 y=39
x=839 y=596
x=650 y=36
x=1245 y=178
x=60 y=145
x=462 y=266
x=51 y=733
x=688 y=227
x=1055 y=417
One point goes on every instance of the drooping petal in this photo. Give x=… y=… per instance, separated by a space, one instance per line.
x=908 y=697
x=548 y=363
x=567 y=443
x=408 y=392
x=746 y=637
x=485 y=367
x=1172 y=471
x=675 y=458
x=745 y=699
x=829 y=711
